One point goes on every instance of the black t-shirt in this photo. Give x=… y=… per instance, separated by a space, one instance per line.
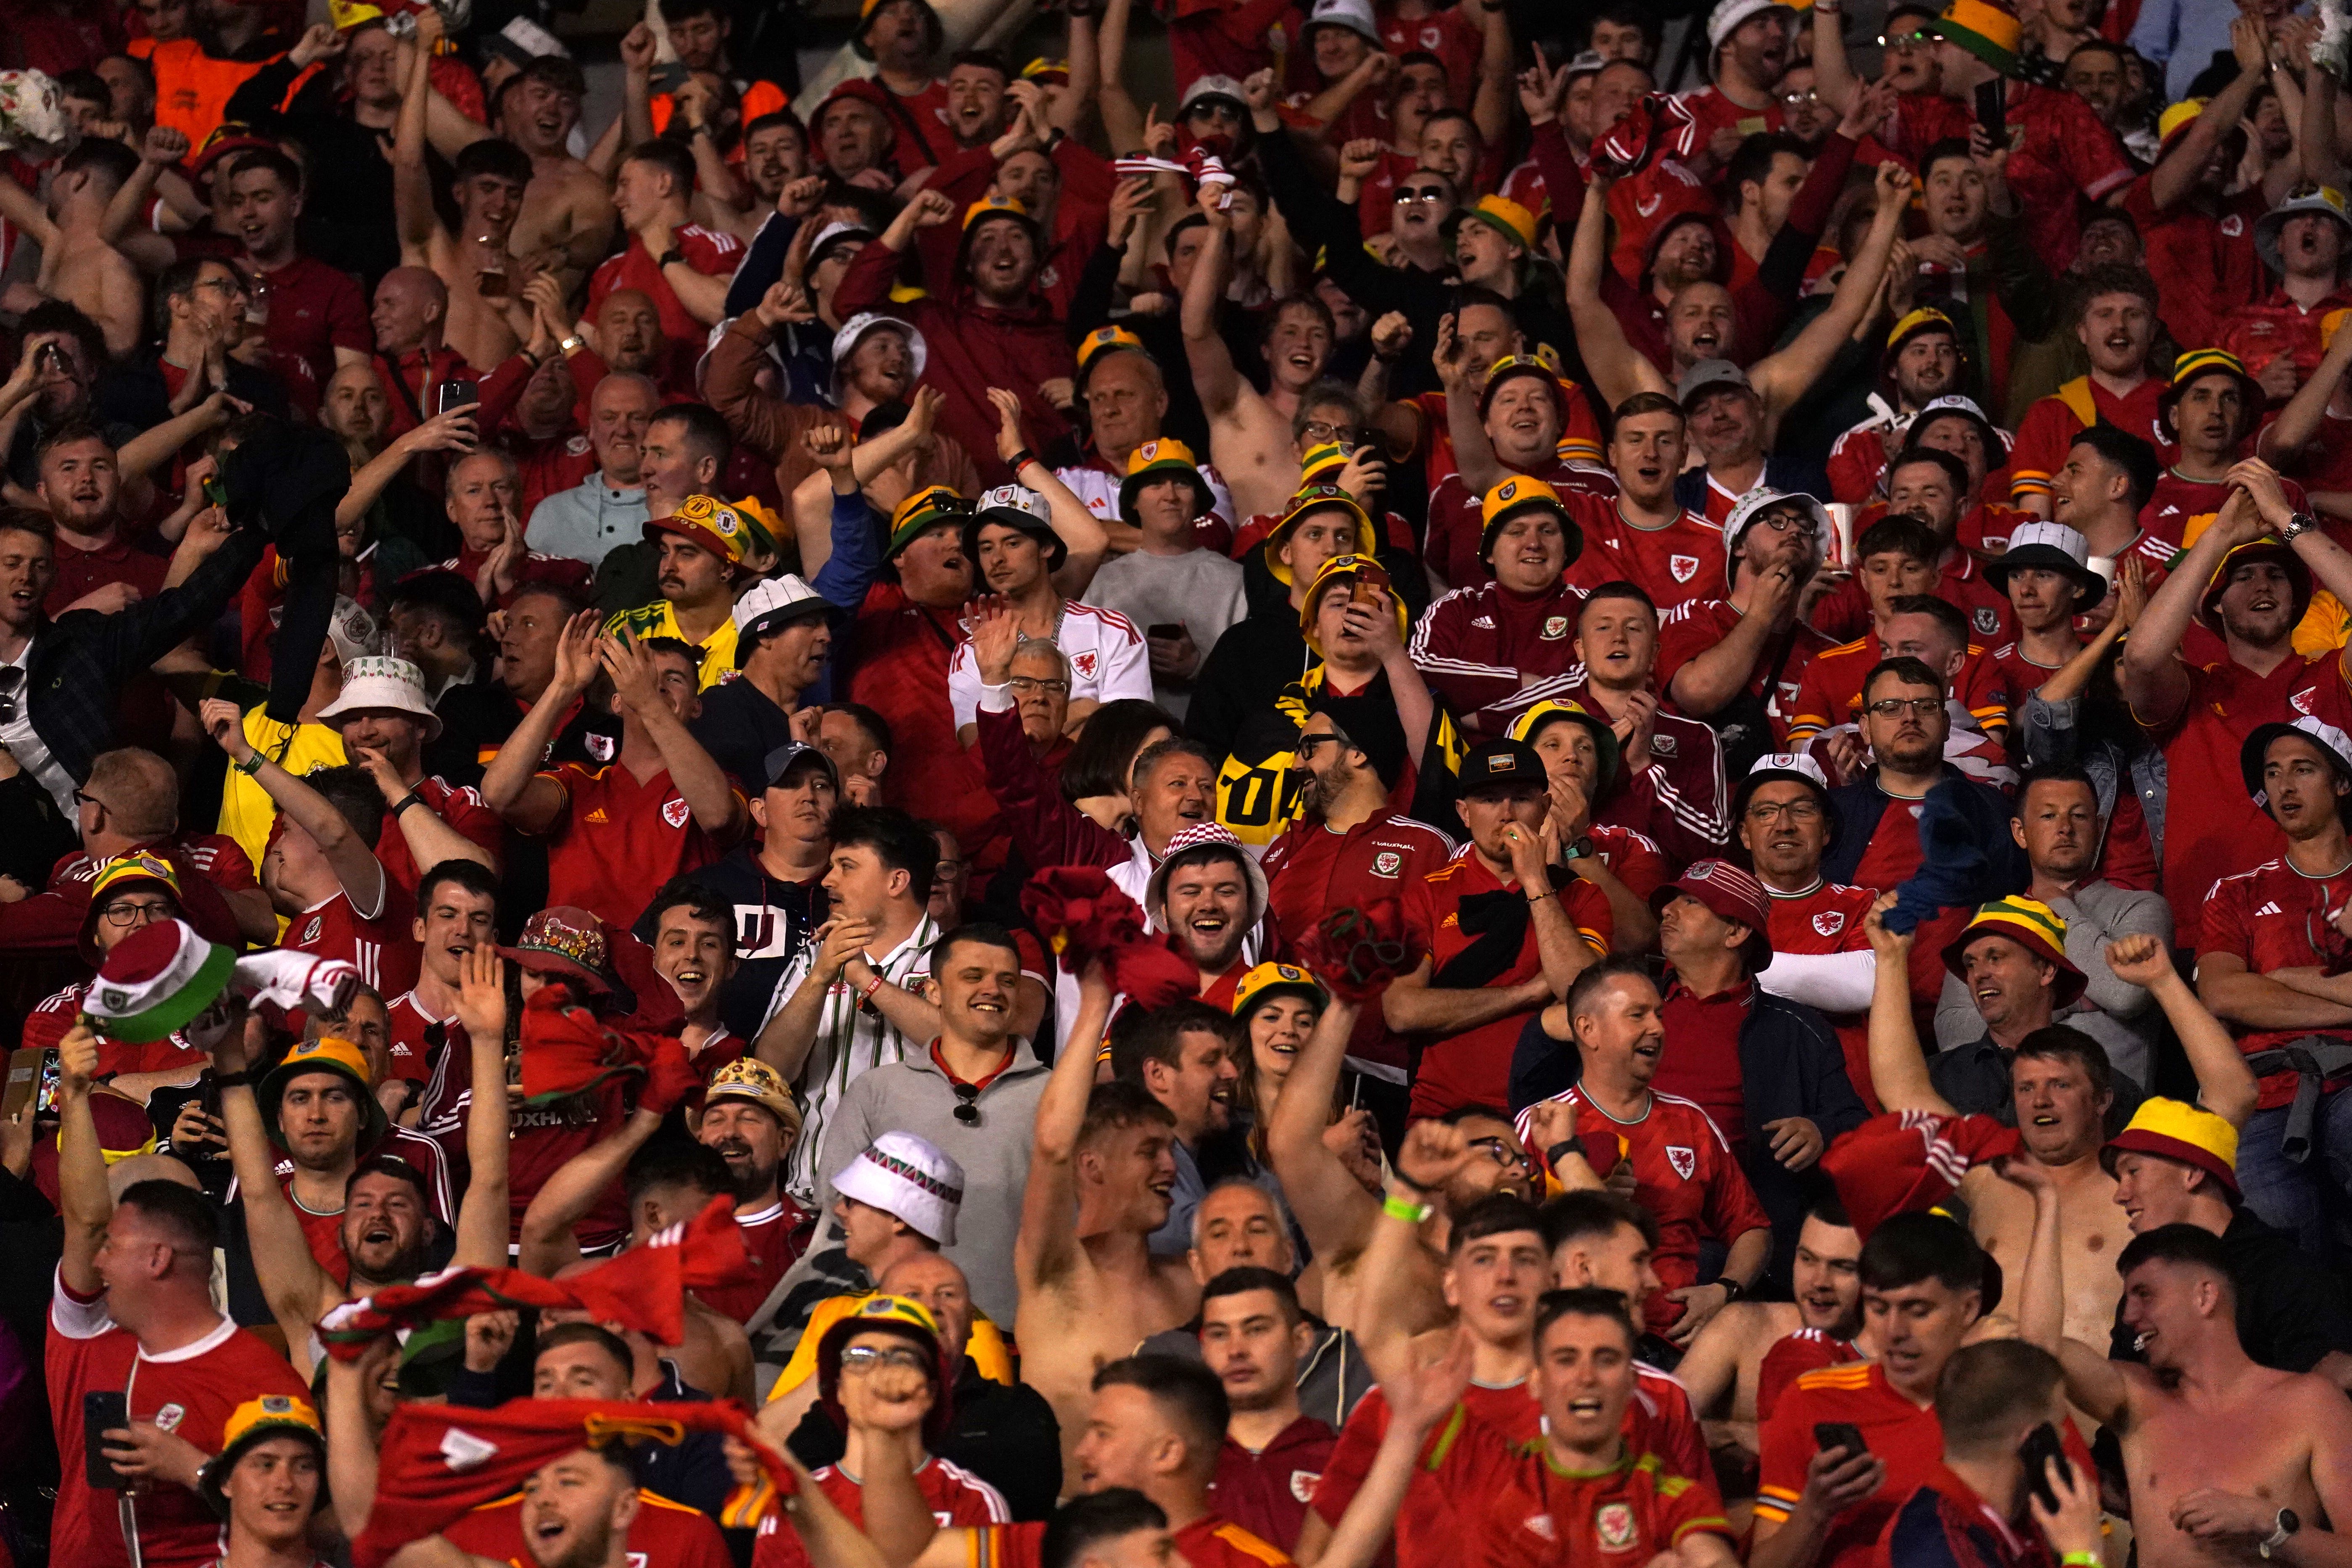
x=1006 y=1436
x=773 y=919
x=739 y=725
x=2291 y=1310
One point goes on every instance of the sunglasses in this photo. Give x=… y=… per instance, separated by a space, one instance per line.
x=967 y=1109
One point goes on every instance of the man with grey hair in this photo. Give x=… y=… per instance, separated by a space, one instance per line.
x=607 y=508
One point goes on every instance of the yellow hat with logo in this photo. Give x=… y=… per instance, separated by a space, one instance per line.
x=1307 y=502
x=708 y=522
x=136 y=869
x=1524 y=493
x=255 y=1422
x=1345 y=567
x=331 y=1055
x=1269 y=980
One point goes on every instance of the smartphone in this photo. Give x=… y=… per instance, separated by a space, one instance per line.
x=101 y=1413
x=670 y=76
x=1168 y=630
x=448 y=395
x=2040 y=1453
x=1992 y=109
x=28 y=1068
x=47 y=357
x=1830 y=1435
x=1365 y=592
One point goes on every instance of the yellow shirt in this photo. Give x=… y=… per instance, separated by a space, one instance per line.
x=246 y=812
x=659 y=619
x=987 y=1347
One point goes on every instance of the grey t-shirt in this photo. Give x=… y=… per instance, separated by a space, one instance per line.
x=1200 y=588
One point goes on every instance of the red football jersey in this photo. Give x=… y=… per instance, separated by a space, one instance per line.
x=2275 y=917
x=381 y=947
x=1528 y=1513
x=1214 y=1541
x=189 y=1391
x=1684 y=1174
x=1831 y=692
x=1681 y=561
x=55 y=1014
x=708 y=252
x=462 y=808
x=665 y=1534
x=1827 y=918
x=1266 y=1491
x=1792 y=1355
x=544 y=1137
x=1697 y=624
x=775 y=1235
x=2051 y=424
x=1428 y=1527
x=957 y=1499
x=615 y=839
x=1474 y=1067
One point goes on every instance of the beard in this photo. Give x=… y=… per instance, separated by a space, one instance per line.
x=398 y=1266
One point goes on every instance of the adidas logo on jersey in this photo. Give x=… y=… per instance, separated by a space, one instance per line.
x=2269 y=909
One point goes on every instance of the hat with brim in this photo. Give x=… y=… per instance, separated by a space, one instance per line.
x=1165 y=458
x=778 y=765
x=2048 y=547
x=832 y=235
x=156 y=980
x=1323 y=464
x=251 y=1423
x=328 y=1055
x=2176 y=1129
x=1304 y=504
x=1356 y=15
x=1925 y=319
x=1105 y=340
x=1731 y=15
x=135 y=871
x=1506 y=217
x=769 y=606
x=996 y=209
x=933 y=505
x=2322 y=199
x=1745 y=515
x=227 y=140
x=1268 y=981
x=910 y=1179
x=2269 y=547
x=705 y=522
x=566 y=941
x=870 y=9
x=2033 y=926
x=1517 y=496
x=1996 y=440
x=1710 y=376
x=1788 y=767
x=1530 y=367
x=1022 y=509
x=1223 y=89
x=909 y=1320
x=375 y=684
x=872 y=94
x=2195 y=366
x=2176 y=120
x=1730 y=893
x=749 y=1077
x=854 y=330
x=1347 y=568
x=1544 y=714
x=2326 y=739
x=1985 y=30
x=1208 y=836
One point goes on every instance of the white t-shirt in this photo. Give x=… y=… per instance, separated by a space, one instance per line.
x=1107 y=661
x=1200 y=588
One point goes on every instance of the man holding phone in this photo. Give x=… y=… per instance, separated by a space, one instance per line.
x=143 y=1371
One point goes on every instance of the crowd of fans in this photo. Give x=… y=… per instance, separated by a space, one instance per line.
x=1418 y=811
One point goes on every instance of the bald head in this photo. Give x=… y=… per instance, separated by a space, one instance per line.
x=410 y=303
x=629 y=330
x=124 y=1174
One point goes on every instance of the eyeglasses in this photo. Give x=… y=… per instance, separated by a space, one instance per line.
x=1418 y=194
x=1794 y=810
x=126 y=912
x=1894 y=707
x=1500 y=1150
x=1918 y=38
x=222 y=285
x=1788 y=522
x=1321 y=431
x=966 y=1110
x=1800 y=99
x=862 y=1359
x=1025 y=686
x=1307 y=743
x=83 y=798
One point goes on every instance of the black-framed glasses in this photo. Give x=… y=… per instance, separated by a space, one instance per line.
x=123 y=912
x=1788 y=522
x=1320 y=432
x=967 y=1109
x=83 y=798
x=1307 y=743
x=1499 y=1150
x=1893 y=706
x=1794 y=810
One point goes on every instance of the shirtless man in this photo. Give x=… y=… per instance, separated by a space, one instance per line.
x=1091 y=1291
x=2228 y=1462
x=2058 y=1087
x=567 y=210
x=1750 y=1350
x=485 y=321
x=378 y=1243
x=77 y=265
x=1321 y=1168
x=1250 y=439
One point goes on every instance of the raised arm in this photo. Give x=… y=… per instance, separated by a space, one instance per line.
x=2093 y=1382
x=2284 y=439
x=700 y=781
x=83 y=1201
x=1473 y=454
x=412 y=184
x=2176 y=174
x=785 y=1040
x=1323 y=1195
x=1899 y=1071
x=1490 y=105
x=548 y=1243
x=1392 y=1300
x=484 y=1213
x=1047 y=1248
x=347 y=854
x=1833 y=74
x=2075 y=676
x=2153 y=679
x=2225 y=1086
x=1083 y=538
x=1784 y=377
x=1618 y=370
x=1213 y=374
x=291 y=1281
x=1123 y=122
x=511 y=783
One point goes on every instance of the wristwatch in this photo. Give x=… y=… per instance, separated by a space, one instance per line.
x=2298 y=525
x=572 y=344
x=2287 y=1523
x=667 y=256
x=1732 y=1288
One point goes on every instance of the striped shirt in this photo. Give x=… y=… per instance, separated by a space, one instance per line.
x=850 y=1038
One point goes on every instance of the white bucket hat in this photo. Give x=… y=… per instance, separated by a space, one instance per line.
x=376 y=684
x=853 y=332
x=1199 y=836
x=908 y=1178
x=1356 y=15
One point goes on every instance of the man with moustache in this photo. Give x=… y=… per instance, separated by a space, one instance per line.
x=1738 y=661
x=1923 y=362
x=750 y=1117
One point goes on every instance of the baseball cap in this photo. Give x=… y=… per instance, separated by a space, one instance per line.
x=1499 y=765
x=793 y=754
x=1708 y=375
x=1268 y=980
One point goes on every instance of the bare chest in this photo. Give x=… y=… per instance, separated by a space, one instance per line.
x=2091 y=1232
x=2175 y=1453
